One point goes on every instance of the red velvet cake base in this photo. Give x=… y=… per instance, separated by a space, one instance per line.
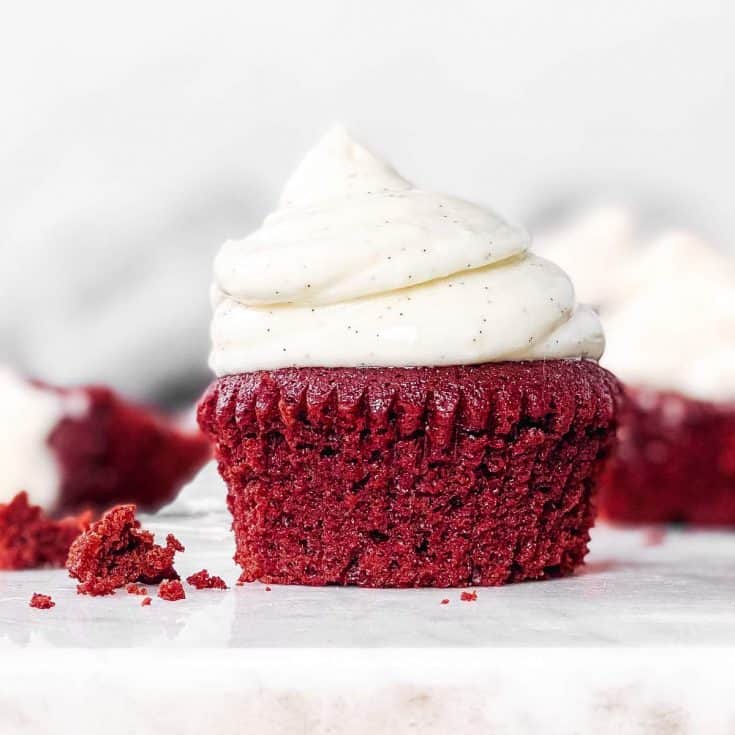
x=119 y=452
x=29 y=539
x=675 y=462
x=115 y=552
x=408 y=477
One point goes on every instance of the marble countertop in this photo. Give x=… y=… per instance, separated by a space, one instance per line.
x=639 y=587
x=646 y=598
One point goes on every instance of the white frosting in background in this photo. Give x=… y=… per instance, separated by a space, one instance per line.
x=675 y=329
x=595 y=249
x=28 y=415
x=667 y=304
x=358 y=267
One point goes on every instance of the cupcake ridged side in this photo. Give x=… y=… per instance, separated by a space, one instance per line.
x=410 y=477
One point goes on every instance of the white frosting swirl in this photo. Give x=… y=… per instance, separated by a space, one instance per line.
x=28 y=416
x=357 y=267
x=675 y=328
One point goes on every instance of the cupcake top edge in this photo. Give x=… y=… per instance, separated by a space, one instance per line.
x=358 y=267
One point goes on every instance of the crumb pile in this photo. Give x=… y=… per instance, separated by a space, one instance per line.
x=115 y=551
x=41 y=602
x=30 y=539
x=171 y=590
x=202 y=580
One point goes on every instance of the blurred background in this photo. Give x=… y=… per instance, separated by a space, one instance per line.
x=133 y=142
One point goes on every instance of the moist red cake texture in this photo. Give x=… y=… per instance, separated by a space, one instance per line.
x=675 y=461
x=202 y=580
x=41 y=602
x=120 y=452
x=171 y=591
x=407 y=477
x=115 y=551
x=30 y=539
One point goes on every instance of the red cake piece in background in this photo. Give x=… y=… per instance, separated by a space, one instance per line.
x=30 y=539
x=85 y=447
x=171 y=591
x=123 y=452
x=116 y=551
x=41 y=602
x=675 y=461
x=202 y=580
x=412 y=477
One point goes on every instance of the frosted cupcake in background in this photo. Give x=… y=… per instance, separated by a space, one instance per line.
x=668 y=306
x=595 y=249
x=63 y=451
x=405 y=395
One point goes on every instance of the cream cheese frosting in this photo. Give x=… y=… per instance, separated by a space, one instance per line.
x=357 y=267
x=667 y=301
x=675 y=328
x=28 y=416
x=596 y=249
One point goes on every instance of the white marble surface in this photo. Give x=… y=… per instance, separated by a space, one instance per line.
x=680 y=590
x=644 y=636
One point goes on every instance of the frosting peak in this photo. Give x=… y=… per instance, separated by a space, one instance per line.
x=349 y=226
x=339 y=167
x=359 y=267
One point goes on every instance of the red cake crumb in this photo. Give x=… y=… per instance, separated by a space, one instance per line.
x=468 y=596
x=675 y=462
x=267 y=589
x=136 y=589
x=145 y=602
x=41 y=602
x=654 y=536
x=121 y=452
x=171 y=591
x=412 y=477
x=445 y=601
x=30 y=539
x=203 y=581
x=174 y=543
x=115 y=551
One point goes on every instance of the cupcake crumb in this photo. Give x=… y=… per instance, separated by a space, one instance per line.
x=41 y=602
x=171 y=590
x=202 y=580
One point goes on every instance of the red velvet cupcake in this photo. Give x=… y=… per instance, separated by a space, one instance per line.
x=88 y=448
x=671 y=338
x=675 y=461
x=405 y=394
